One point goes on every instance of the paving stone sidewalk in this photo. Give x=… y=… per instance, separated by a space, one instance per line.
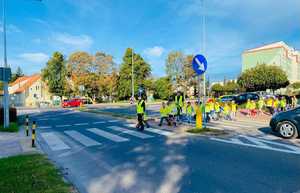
x=15 y=143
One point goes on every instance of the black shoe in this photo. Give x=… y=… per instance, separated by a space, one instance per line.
x=159 y=125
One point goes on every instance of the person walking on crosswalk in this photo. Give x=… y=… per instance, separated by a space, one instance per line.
x=294 y=102
x=282 y=104
x=140 y=109
x=163 y=114
x=260 y=105
x=179 y=101
x=226 y=111
x=233 y=110
x=248 y=108
x=189 y=112
x=270 y=105
x=252 y=107
x=217 y=108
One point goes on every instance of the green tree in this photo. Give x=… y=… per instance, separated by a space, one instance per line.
x=54 y=74
x=217 y=89
x=175 y=67
x=263 y=77
x=162 y=88
x=142 y=71
x=231 y=87
x=18 y=74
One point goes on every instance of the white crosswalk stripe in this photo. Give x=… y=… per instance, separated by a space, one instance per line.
x=157 y=131
x=99 y=122
x=260 y=143
x=160 y=131
x=54 y=142
x=63 y=125
x=108 y=135
x=131 y=132
x=86 y=141
x=80 y=124
x=113 y=121
x=44 y=127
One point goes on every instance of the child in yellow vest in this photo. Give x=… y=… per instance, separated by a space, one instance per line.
x=233 y=110
x=226 y=111
x=252 y=109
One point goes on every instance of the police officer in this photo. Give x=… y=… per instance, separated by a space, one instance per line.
x=140 y=110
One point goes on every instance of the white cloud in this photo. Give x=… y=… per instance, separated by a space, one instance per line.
x=37 y=57
x=75 y=41
x=155 y=51
x=10 y=28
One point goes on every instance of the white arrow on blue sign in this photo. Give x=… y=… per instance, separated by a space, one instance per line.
x=199 y=64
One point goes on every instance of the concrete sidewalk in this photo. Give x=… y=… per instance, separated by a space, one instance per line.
x=15 y=143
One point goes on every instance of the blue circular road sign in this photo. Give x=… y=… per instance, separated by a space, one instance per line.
x=199 y=64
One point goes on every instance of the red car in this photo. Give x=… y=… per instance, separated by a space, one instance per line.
x=72 y=103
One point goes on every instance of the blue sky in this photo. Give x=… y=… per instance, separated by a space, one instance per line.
x=153 y=28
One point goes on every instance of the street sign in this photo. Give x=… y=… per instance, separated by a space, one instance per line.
x=5 y=74
x=199 y=64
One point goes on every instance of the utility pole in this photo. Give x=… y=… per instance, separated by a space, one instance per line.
x=203 y=44
x=5 y=81
x=132 y=75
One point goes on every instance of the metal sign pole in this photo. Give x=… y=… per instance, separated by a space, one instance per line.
x=5 y=82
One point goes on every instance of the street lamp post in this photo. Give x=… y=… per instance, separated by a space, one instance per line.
x=5 y=81
x=132 y=76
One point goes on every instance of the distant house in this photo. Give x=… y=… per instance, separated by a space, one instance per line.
x=29 y=91
x=278 y=54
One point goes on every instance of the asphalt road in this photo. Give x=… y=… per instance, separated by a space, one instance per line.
x=99 y=154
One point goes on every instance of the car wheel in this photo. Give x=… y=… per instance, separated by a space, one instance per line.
x=287 y=130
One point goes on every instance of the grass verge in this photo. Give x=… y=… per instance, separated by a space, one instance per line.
x=13 y=127
x=206 y=131
x=30 y=173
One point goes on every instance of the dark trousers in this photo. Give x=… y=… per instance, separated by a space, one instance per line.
x=179 y=110
x=162 y=119
x=271 y=110
x=140 y=124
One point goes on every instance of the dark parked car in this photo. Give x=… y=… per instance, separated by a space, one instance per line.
x=227 y=98
x=243 y=98
x=287 y=123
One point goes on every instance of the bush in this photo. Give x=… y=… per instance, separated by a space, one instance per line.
x=13 y=127
x=12 y=115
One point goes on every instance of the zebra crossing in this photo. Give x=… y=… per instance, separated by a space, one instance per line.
x=96 y=136
x=259 y=142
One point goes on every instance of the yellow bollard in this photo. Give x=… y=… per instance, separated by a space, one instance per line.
x=33 y=133
x=198 y=117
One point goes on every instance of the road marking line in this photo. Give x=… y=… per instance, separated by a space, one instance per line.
x=86 y=141
x=219 y=126
x=256 y=141
x=80 y=124
x=54 y=142
x=157 y=131
x=238 y=142
x=44 y=127
x=131 y=132
x=113 y=121
x=44 y=119
x=99 y=122
x=108 y=135
x=63 y=125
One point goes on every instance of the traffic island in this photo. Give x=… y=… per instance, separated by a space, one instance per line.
x=31 y=173
x=207 y=131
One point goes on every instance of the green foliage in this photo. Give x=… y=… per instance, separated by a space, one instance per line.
x=231 y=87
x=142 y=71
x=162 y=88
x=13 y=127
x=54 y=74
x=30 y=173
x=17 y=74
x=263 y=77
x=217 y=89
x=179 y=70
x=295 y=85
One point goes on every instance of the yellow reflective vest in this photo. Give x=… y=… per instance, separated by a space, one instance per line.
x=164 y=111
x=139 y=107
x=179 y=100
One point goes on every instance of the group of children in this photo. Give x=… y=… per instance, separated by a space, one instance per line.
x=215 y=109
